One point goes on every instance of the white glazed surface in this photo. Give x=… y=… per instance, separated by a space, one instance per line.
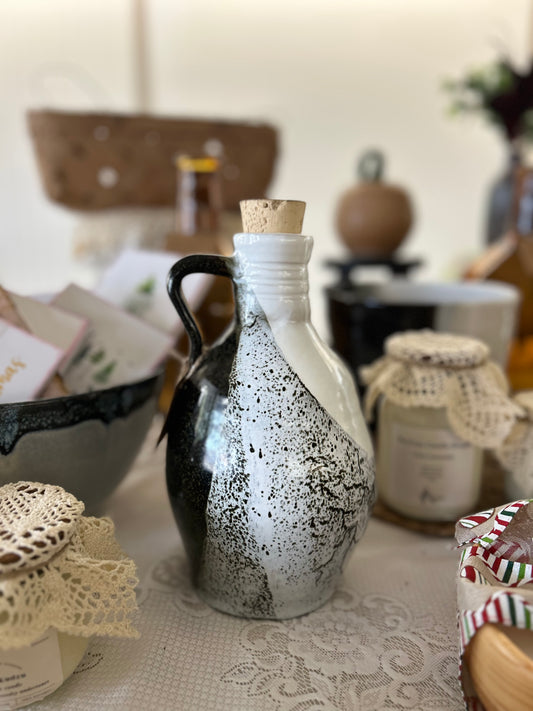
x=291 y=492
x=282 y=293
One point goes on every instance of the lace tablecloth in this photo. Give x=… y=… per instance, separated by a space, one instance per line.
x=386 y=640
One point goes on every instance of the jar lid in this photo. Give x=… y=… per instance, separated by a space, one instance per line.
x=36 y=522
x=444 y=350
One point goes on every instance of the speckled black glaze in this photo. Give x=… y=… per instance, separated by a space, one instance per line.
x=194 y=431
x=268 y=491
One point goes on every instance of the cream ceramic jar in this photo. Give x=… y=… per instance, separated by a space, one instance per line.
x=516 y=453
x=424 y=470
x=34 y=671
x=441 y=402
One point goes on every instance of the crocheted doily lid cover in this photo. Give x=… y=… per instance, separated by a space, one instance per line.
x=430 y=348
x=443 y=370
x=525 y=400
x=516 y=452
x=36 y=522
x=60 y=569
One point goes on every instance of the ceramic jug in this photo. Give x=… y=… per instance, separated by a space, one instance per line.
x=270 y=468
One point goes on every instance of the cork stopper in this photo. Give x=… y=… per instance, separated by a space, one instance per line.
x=272 y=216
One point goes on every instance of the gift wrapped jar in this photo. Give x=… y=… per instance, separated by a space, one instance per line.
x=442 y=401
x=63 y=579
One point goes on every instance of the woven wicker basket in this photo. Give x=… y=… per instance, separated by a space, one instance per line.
x=96 y=161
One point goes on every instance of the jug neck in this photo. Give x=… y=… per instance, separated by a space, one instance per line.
x=273 y=269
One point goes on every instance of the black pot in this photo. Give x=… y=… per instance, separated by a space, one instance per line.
x=362 y=316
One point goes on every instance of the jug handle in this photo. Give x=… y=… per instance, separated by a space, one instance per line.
x=192 y=264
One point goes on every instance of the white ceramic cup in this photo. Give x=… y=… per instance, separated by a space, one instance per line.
x=484 y=310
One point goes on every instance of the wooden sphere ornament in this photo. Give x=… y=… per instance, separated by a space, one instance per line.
x=373 y=217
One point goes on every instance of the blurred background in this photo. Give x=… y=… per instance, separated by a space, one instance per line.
x=334 y=78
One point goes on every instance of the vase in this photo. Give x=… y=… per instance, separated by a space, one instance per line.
x=270 y=468
x=500 y=200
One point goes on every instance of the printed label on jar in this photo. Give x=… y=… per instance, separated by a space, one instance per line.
x=431 y=468
x=30 y=673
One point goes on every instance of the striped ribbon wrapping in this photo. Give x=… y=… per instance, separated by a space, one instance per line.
x=503 y=608
x=505 y=567
x=476 y=519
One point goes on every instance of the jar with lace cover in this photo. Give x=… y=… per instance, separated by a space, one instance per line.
x=442 y=401
x=63 y=579
x=515 y=454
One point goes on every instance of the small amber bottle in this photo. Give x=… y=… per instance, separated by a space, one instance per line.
x=201 y=227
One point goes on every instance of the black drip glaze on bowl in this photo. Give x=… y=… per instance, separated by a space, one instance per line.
x=85 y=443
x=17 y=419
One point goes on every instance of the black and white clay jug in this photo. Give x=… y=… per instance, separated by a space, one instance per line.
x=270 y=468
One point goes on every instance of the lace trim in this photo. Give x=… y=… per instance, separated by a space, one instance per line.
x=37 y=521
x=85 y=588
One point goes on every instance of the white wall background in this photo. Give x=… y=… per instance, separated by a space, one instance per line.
x=336 y=76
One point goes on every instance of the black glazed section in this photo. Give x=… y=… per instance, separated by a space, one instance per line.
x=194 y=431
x=17 y=419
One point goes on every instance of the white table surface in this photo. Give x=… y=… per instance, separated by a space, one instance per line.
x=386 y=640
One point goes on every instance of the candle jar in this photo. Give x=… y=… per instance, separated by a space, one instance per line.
x=425 y=471
x=31 y=672
x=63 y=579
x=515 y=454
x=441 y=402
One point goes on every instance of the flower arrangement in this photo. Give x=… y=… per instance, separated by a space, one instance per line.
x=500 y=93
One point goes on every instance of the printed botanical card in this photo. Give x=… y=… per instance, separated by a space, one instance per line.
x=120 y=347
x=26 y=364
x=137 y=282
x=61 y=328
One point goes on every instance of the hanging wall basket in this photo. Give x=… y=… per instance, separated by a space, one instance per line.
x=94 y=161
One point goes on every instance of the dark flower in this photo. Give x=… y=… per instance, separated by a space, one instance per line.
x=501 y=93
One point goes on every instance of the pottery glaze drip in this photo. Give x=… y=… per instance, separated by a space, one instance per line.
x=270 y=469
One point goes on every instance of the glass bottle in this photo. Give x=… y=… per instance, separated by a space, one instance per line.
x=198 y=230
x=198 y=196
